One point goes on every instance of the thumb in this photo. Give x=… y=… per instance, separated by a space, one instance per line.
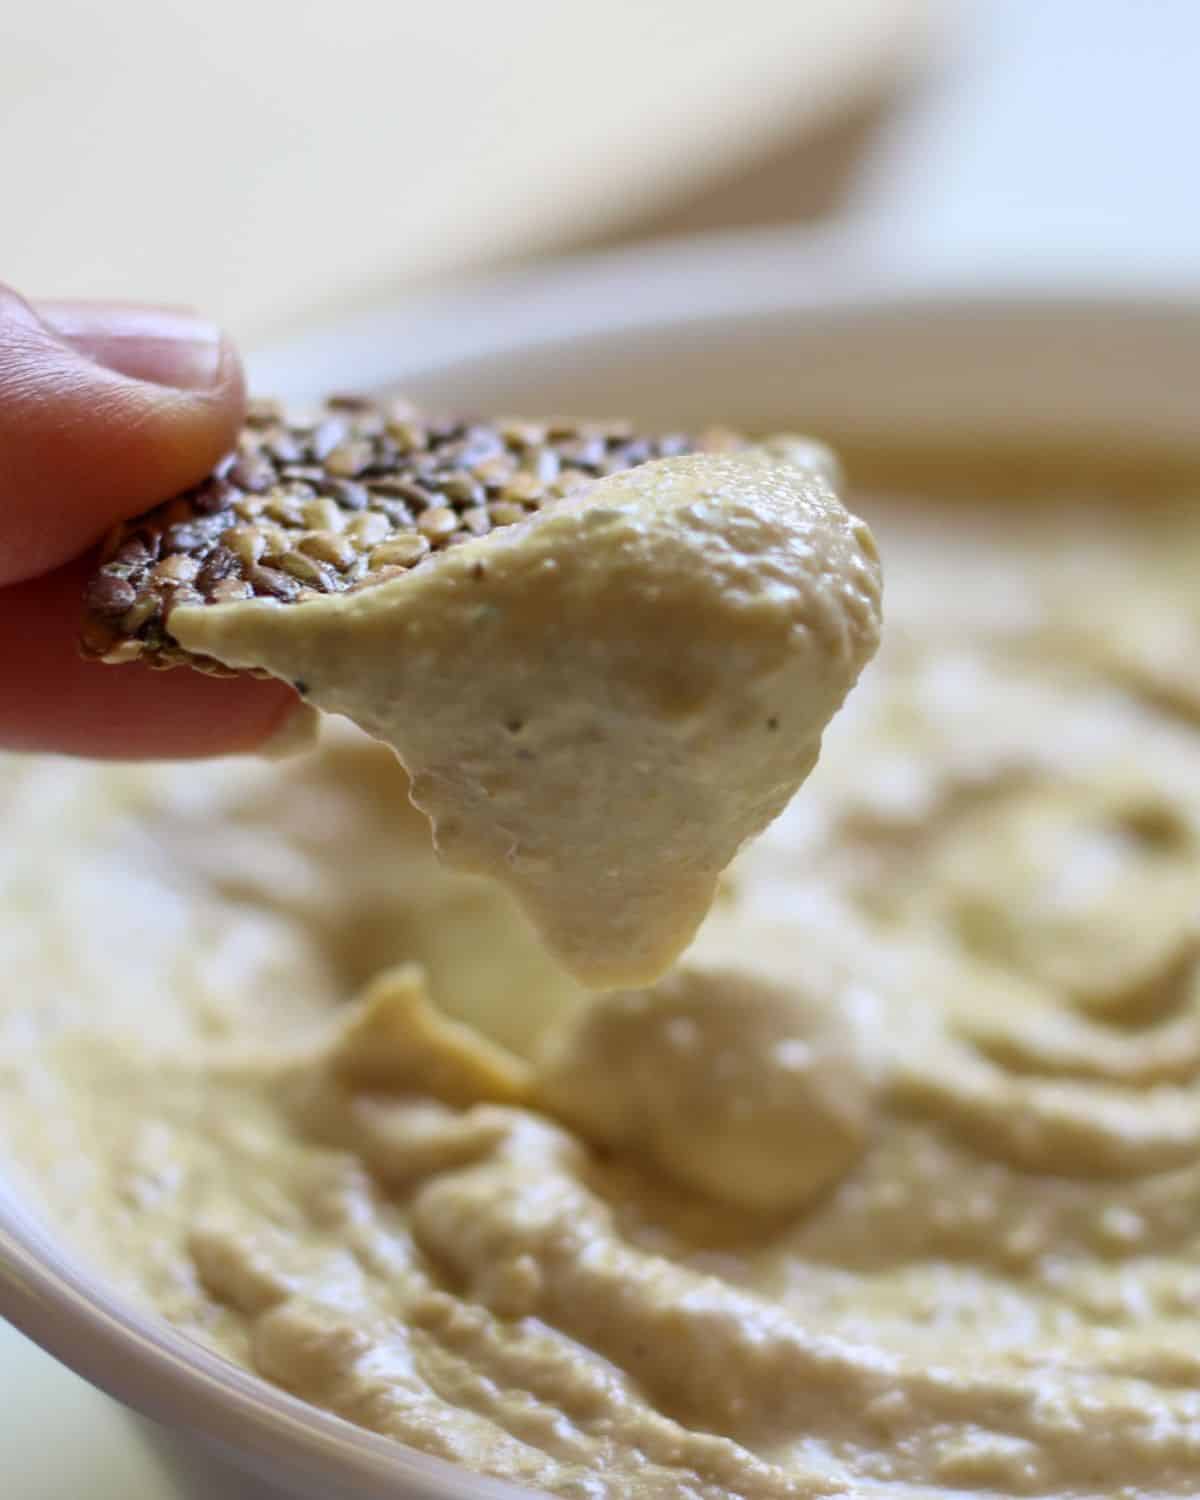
x=104 y=411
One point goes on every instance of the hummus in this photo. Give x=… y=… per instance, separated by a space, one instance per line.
x=598 y=706
x=889 y=1187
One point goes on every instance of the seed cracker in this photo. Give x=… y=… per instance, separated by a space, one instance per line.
x=363 y=493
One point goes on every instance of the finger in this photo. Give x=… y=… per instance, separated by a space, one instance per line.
x=104 y=411
x=51 y=699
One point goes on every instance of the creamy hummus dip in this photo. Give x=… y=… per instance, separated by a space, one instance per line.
x=598 y=706
x=890 y=1186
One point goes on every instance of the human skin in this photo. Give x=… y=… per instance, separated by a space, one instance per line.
x=106 y=409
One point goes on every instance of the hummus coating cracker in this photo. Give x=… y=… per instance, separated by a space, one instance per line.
x=599 y=697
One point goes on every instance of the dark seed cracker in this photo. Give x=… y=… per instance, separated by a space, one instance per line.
x=363 y=494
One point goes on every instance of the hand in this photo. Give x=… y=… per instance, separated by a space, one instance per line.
x=104 y=411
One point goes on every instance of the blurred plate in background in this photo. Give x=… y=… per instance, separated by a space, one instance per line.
x=289 y=157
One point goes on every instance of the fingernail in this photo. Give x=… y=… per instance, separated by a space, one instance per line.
x=164 y=345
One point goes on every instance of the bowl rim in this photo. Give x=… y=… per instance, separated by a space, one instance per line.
x=67 y=1308
x=686 y=282
x=140 y=1360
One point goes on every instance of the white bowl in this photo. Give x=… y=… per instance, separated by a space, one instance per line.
x=766 y=331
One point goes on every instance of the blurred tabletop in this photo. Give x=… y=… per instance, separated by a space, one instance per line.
x=276 y=161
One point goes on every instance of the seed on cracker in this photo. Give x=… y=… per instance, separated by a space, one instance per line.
x=361 y=494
